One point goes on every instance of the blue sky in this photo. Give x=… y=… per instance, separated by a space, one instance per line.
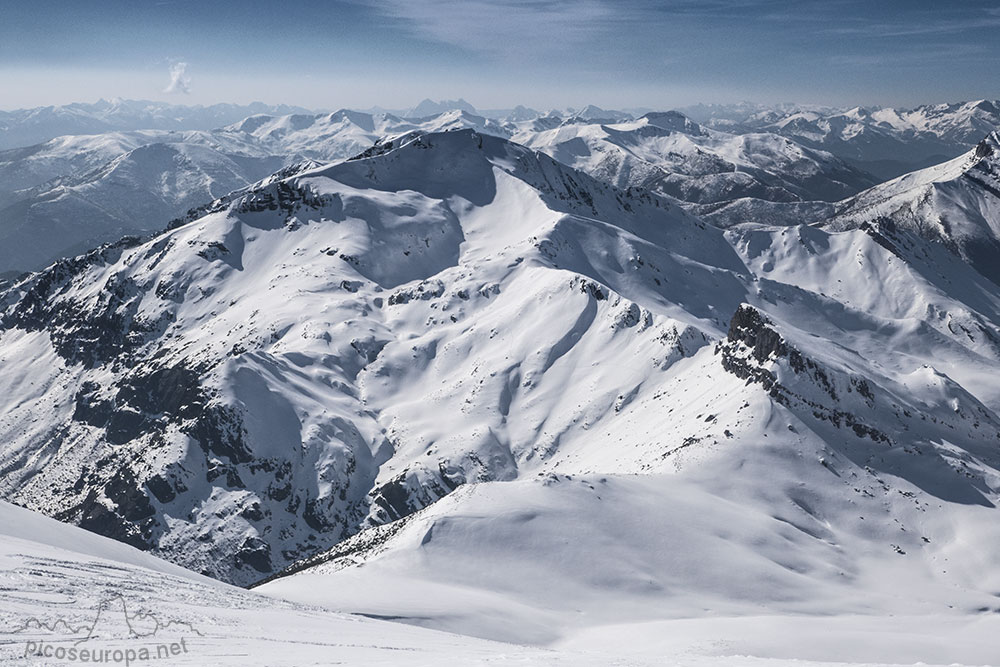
x=543 y=53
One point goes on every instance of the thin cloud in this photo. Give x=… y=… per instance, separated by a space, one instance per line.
x=916 y=57
x=503 y=26
x=928 y=26
x=180 y=82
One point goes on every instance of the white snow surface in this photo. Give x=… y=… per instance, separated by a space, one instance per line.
x=64 y=589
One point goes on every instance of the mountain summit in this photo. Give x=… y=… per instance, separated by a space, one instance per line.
x=431 y=108
x=956 y=204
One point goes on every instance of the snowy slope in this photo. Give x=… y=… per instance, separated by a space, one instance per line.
x=956 y=203
x=629 y=563
x=69 y=590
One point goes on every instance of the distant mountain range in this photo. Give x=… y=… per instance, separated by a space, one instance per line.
x=668 y=153
x=73 y=192
x=25 y=127
x=886 y=142
x=69 y=194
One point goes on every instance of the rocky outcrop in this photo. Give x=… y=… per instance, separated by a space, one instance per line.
x=754 y=351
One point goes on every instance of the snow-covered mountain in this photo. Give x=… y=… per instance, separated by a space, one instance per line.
x=668 y=153
x=27 y=127
x=72 y=193
x=466 y=358
x=595 y=114
x=520 y=114
x=835 y=448
x=346 y=133
x=136 y=192
x=956 y=204
x=746 y=116
x=180 y=387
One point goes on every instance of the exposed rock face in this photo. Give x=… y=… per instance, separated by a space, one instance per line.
x=753 y=347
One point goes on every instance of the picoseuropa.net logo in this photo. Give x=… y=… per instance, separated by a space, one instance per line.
x=96 y=655
x=112 y=636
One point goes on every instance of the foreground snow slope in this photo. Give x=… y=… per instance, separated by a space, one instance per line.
x=659 y=566
x=64 y=589
x=69 y=590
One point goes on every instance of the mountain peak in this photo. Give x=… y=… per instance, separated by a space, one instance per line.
x=429 y=107
x=522 y=113
x=988 y=106
x=674 y=121
x=594 y=113
x=988 y=146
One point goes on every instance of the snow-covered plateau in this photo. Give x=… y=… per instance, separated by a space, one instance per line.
x=417 y=390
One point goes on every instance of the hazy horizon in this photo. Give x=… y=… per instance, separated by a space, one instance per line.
x=635 y=110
